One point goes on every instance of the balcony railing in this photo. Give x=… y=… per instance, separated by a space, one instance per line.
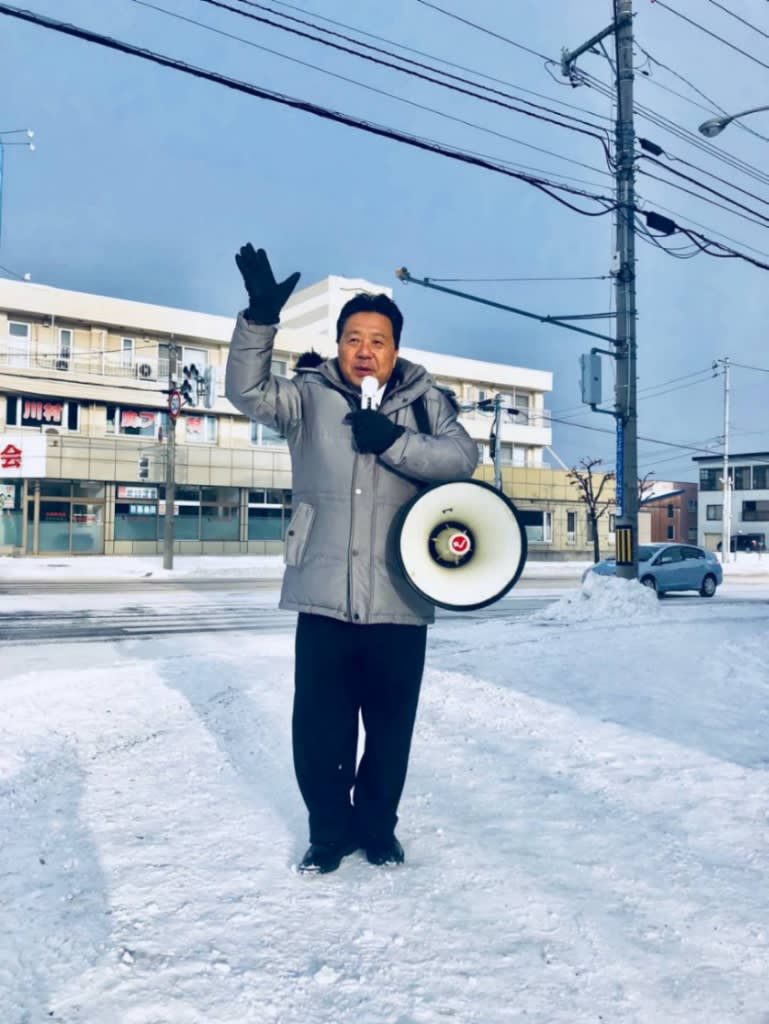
x=16 y=354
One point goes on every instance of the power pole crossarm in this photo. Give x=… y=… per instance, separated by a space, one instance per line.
x=569 y=56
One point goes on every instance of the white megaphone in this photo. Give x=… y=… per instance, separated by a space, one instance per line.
x=461 y=545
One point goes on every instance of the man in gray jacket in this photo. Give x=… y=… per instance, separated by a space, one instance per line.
x=361 y=631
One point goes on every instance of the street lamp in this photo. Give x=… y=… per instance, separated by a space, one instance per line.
x=715 y=125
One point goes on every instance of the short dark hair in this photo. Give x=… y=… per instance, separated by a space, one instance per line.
x=308 y=360
x=368 y=303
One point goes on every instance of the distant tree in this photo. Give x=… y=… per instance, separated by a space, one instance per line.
x=591 y=486
x=645 y=486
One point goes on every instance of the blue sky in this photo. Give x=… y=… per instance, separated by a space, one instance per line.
x=145 y=182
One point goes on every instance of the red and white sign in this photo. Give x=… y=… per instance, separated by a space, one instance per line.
x=460 y=544
x=22 y=455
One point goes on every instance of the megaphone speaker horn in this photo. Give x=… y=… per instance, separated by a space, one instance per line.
x=461 y=545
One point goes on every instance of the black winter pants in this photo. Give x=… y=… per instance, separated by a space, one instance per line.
x=343 y=669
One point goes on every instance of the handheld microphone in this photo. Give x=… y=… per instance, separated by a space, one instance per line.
x=368 y=388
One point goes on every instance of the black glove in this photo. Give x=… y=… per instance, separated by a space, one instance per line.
x=373 y=431
x=266 y=297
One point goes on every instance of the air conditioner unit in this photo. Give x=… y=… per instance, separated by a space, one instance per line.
x=146 y=371
x=62 y=364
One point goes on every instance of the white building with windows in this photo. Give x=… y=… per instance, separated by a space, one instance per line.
x=83 y=409
x=749 y=489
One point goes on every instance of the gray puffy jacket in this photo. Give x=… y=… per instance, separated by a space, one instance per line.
x=340 y=547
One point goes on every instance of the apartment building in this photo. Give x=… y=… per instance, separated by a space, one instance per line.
x=749 y=488
x=84 y=422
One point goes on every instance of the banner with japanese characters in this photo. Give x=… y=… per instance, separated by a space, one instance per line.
x=22 y=455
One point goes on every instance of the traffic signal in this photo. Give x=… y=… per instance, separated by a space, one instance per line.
x=144 y=467
x=190 y=389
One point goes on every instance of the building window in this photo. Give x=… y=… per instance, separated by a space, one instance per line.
x=481 y=452
x=761 y=478
x=279 y=367
x=710 y=479
x=714 y=513
x=269 y=512
x=538 y=525
x=40 y=413
x=742 y=478
x=481 y=395
x=18 y=347
x=671 y=511
x=755 y=511
x=692 y=504
x=197 y=357
x=266 y=437
x=671 y=533
x=126 y=352
x=128 y=422
x=199 y=429
x=506 y=453
x=692 y=536
x=65 y=348
x=571 y=527
x=522 y=404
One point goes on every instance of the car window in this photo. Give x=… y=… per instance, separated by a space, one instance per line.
x=669 y=555
x=694 y=553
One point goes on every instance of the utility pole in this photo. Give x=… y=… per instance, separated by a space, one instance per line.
x=726 y=515
x=498 y=398
x=174 y=405
x=625 y=406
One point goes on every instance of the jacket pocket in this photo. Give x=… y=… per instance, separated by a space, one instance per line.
x=298 y=534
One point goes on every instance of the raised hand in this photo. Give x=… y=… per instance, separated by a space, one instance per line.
x=266 y=297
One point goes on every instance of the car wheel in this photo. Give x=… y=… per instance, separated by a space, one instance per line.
x=651 y=583
x=708 y=587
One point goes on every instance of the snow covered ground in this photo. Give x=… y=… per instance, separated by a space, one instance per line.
x=744 y=564
x=585 y=823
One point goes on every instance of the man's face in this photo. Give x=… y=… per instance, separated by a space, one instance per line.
x=367 y=348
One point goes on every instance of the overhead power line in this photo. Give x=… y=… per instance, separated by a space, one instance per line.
x=389 y=95
x=482 y=28
x=420 y=75
x=750 y=170
x=744 y=366
x=713 y=35
x=706 y=188
x=711 y=108
x=550 y=188
x=440 y=60
x=737 y=17
x=406 y=60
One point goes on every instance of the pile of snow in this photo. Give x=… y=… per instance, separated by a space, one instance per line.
x=601 y=599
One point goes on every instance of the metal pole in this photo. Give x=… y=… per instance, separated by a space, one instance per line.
x=498 y=445
x=625 y=393
x=168 y=524
x=726 y=523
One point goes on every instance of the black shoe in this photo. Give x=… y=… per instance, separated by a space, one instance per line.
x=384 y=851
x=324 y=857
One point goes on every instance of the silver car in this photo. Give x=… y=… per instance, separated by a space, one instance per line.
x=667 y=567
